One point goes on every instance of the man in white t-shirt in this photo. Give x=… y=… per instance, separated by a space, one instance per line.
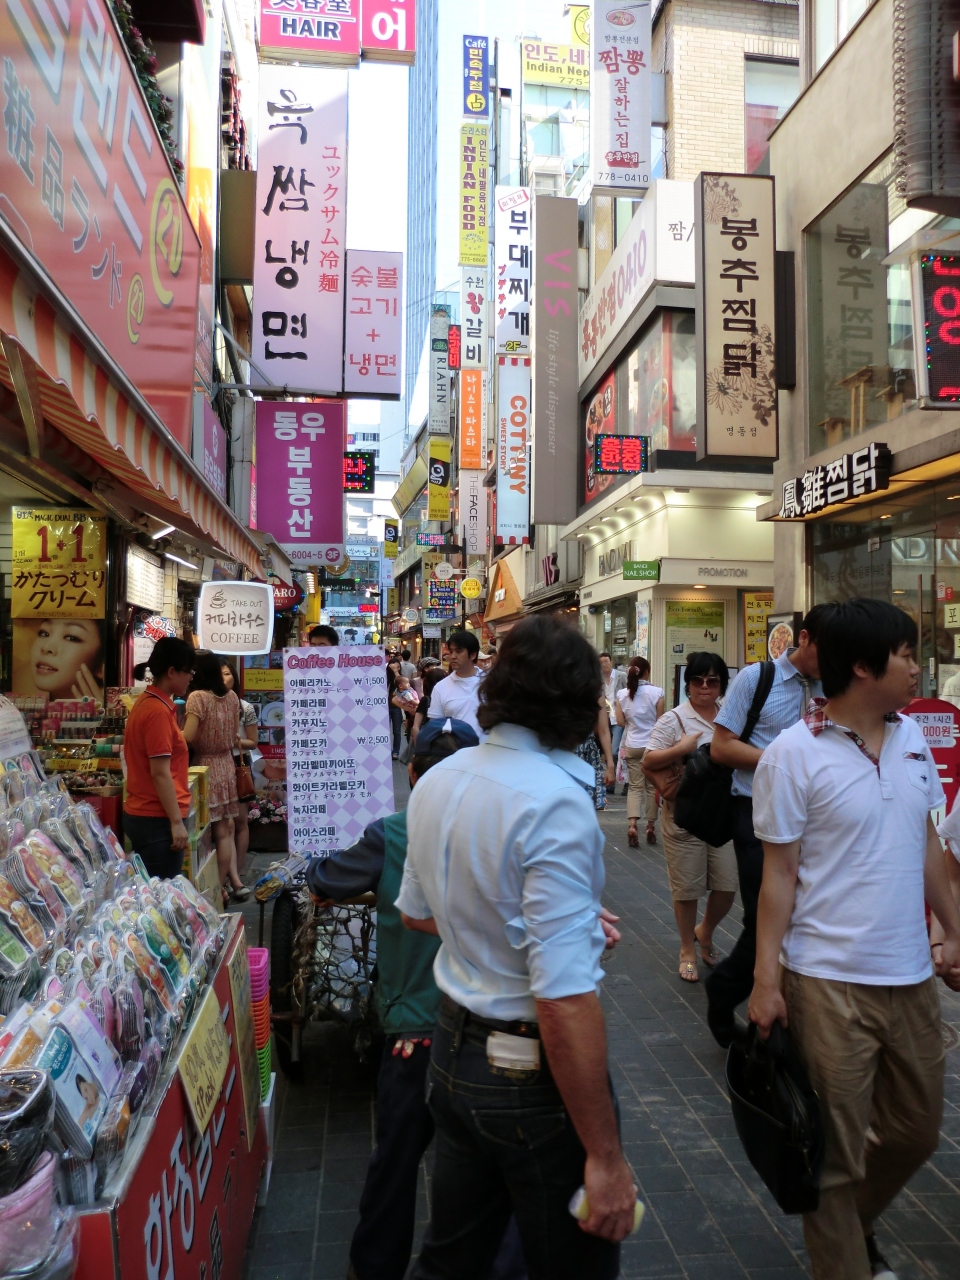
x=841 y=802
x=458 y=696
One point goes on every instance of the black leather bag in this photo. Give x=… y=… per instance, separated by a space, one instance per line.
x=778 y=1118
x=704 y=805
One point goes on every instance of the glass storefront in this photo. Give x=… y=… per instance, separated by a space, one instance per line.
x=617 y=629
x=905 y=550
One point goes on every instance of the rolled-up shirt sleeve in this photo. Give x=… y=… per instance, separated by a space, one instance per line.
x=779 y=800
x=410 y=899
x=559 y=925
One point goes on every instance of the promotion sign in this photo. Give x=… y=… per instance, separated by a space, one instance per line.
x=472 y=412
x=621 y=98
x=389 y=31
x=300 y=465
x=374 y=324
x=513 y=456
x=88 y=188
x=317 y=31
x=736 y=318
x=474 y=317
x=339 y=770
x=474 y=178
x=512 y=248
x=476 y=77
x=939 y=722
x=438 y=478
x=439 y=413
x=59 y=566
x=235 y=617
x=300 y=232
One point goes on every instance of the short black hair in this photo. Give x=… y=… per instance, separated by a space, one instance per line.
x=546 y=678
x=706 y=664
x=169 y=652
x=443 y=745
x=605 y=654
x=811 y=623
x=405 y=655
x=859 y=631
x=465 y=640
x=324 y=633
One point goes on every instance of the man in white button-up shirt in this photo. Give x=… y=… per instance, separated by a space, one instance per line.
x=505 y=863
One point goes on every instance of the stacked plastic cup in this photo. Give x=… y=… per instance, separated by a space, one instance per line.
x=259 y=958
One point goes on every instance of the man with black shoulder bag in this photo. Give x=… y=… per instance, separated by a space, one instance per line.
x=796 y=679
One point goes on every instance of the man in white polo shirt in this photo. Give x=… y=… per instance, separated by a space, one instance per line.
x=841 y=802
x=458 y=696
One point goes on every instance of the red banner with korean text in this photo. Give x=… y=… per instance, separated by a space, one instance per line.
x=88 y=189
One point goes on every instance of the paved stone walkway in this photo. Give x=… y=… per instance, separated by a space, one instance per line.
x=708 y=1215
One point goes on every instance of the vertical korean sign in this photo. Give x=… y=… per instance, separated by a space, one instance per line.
x=621 y=103
x=474 y=178
x=374 y=324
x=736 y=358
x=300 y=465
x=474 y=317
x=438 y=478
x=339 y=771
x=88 y=188
x=318 y=31
x=512 y=226
x=556 y=405
x=299 y=263
x=439 y=420
x=513 y=457
x=476 y=78
x=471 y=419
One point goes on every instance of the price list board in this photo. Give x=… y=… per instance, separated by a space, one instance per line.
x=339 y=768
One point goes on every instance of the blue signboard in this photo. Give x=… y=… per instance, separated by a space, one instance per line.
x=476 y=78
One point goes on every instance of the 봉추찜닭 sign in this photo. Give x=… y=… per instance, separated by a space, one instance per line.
x=236 y=617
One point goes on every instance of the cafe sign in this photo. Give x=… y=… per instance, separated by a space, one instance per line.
x=236 y=617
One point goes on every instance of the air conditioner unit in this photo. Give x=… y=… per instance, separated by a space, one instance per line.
x=547 y=175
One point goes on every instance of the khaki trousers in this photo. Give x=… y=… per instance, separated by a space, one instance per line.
x=641 y=793
x=876 y=1058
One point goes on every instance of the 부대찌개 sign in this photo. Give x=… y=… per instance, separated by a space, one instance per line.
x=235 y=617
x=88 y=189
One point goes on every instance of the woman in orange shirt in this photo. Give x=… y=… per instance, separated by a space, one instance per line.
x=156 y=759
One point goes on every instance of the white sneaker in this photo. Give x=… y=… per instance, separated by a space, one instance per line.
x=880 y=1268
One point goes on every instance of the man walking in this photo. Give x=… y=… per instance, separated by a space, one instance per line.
x=842 y=804
x=613 y=682
x=505 y=864
x=795 y=681
x=407 y=668
x=458 y=696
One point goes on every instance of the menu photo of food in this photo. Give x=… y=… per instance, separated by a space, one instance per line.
x=781 y=634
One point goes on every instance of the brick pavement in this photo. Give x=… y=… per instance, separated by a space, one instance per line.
x=708 y=1215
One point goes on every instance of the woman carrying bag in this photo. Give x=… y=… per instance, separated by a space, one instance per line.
x=694 y=868
x=638 y=707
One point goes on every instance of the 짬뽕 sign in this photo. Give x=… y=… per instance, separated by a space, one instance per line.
x=621 y=101
x=88 y=189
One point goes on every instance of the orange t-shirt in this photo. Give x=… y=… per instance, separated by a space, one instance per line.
x=152 y=731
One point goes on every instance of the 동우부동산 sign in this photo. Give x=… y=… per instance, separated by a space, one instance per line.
x=339 y=770
x=300 y=465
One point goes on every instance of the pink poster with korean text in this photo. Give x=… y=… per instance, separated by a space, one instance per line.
x=374 y=323
x=300 y=470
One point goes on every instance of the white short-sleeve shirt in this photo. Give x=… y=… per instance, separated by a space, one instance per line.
x=858 y=915
x=640 y=713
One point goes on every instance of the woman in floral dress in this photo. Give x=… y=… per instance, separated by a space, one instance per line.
x=212 y=728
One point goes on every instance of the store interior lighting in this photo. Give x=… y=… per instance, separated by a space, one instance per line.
x=164 y=532
x=185 y=563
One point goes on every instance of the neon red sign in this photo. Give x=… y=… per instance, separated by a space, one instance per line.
x=940 y=279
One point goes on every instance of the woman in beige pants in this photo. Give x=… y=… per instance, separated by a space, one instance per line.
x=638 y=708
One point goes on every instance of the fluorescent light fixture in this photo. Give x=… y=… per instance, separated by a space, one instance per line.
x=162 y=533
x=888 y=516
x=185 y=563
x=699 y=586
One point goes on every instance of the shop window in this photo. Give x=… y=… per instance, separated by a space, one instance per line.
x=861 y=362
x=769 y=90
x=832 y=20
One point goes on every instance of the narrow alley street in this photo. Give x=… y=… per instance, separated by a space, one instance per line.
x=708 y=1215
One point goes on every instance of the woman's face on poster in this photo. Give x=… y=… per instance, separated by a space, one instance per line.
x=66 y=654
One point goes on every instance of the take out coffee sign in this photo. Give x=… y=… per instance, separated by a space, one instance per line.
x=236 y=617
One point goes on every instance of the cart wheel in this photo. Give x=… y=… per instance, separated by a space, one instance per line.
x=283 y=928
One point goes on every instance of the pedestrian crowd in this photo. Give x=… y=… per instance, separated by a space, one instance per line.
x=492 y=928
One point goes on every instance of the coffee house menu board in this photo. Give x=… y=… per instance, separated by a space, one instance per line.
x=339 y=769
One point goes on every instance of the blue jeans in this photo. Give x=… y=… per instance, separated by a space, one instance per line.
x=616 y=737
x=504 y=1144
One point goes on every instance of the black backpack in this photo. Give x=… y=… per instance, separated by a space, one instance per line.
x=704 y=805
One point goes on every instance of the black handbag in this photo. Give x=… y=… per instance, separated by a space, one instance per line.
x=704 y=805
x=778 y=1118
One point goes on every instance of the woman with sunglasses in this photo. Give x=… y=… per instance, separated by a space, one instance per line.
x=694 y=868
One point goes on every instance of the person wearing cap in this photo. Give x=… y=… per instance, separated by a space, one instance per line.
x=408 y=1001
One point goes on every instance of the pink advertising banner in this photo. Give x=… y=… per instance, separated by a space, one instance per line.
x=87 y=187
x=300 y=472
x=299 y=265
x=213 y=452
x=374 y=326
x=339 y=771
x=389 y=30
x=319 y=31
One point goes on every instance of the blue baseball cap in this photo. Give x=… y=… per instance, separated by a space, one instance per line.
x=463 y=734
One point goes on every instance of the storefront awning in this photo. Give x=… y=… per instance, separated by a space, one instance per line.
x=84 y=394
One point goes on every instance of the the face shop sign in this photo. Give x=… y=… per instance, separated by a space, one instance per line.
x=612 y=561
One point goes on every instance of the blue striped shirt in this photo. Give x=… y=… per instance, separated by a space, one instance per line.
x=785 y=705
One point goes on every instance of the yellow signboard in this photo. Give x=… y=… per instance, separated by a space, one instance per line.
x=438 y=480
x=264 y=678
x=565 y=65
x=474 y=191
x=391 y=539
x=59 y=563
x=470 y=588
x=580 y=24
x=757 y=606
x=239 y=970
x=393 y=599
x=204 y=1060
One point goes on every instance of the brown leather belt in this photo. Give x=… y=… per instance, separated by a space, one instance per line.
x=465 y=1018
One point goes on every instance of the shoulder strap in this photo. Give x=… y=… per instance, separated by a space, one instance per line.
x=764 y=685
